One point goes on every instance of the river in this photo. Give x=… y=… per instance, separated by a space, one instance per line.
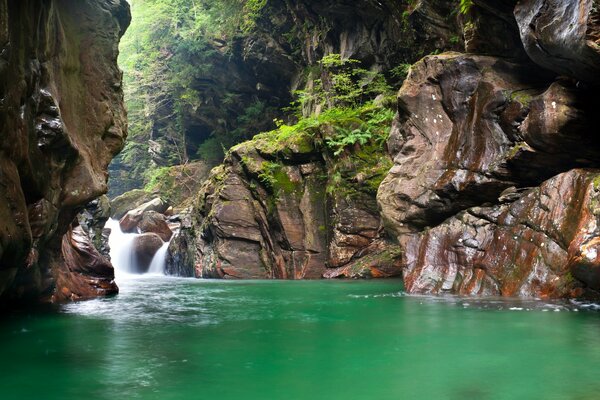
x=168 y=338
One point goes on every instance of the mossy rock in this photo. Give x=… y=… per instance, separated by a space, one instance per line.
x=120 y=205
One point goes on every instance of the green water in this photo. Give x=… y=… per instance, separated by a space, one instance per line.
x=185 y=339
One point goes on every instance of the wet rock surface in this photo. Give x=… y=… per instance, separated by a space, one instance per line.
x=61 y=120
x=145 y=247
x=562 y=36
x=492 y=190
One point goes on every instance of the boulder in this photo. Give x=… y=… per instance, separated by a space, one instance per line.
x=153 y=222
x=145 y=247
x=130 y=221
x=86 y=273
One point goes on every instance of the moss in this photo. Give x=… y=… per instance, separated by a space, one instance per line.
x=521 y=96
x=178 y=185
x=519 y=146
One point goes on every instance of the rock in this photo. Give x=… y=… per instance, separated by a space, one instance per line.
x=61 y=122
x=268 y=212
x=93 y=219
x=145 y=247
x=532 y=247
x=470 y=127
x=129 y=223
x=182 y=255
x=128 y=201
x=450 y=142
x=85 y=273
x=385 y=262
x=153 y=222
x=490 y=28
x=562 y=36
x=472 y=136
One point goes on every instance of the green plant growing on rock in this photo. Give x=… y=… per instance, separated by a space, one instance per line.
x=342 y=83
x=465 y=6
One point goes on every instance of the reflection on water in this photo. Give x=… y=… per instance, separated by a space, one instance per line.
x=165 y=338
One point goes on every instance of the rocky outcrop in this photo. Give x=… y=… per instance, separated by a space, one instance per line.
x=562 y=36
x=126 y=202
x=281 y=207
x=61 y=120
x=493 y=187
x=532 y=247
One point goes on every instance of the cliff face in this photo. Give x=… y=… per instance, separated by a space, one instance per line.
x=241 y=84
x=62 y=121
x=288 y=208
x=493 y=188
x=281 y=207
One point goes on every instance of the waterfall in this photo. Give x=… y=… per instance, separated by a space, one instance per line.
x=159 y=261
x=123 y=256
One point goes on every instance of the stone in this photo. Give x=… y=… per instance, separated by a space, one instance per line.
x=62 y=120
x=130 y=221
x=145 y=247
x=562 y=36
x=128 y=201
x=153 y=222
x=532 y=247
x=84 y=272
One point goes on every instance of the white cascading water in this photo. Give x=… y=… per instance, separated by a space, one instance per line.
x=159 y=261
x=122 y=255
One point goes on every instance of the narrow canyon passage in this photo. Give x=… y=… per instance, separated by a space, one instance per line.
x=311 y=199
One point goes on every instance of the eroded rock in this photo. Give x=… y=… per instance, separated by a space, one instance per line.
x=562 y=35
x=61 y=121
x=532 y=247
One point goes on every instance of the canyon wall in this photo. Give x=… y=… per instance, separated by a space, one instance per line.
x=494 y=185
x=62 y=120
x=493 y=188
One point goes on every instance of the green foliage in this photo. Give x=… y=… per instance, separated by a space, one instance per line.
x=374 y=125
x=465 y=6
x=401 y=71
x=341 y=83
x=167 y=52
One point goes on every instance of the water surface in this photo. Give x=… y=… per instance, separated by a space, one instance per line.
x=165 y=338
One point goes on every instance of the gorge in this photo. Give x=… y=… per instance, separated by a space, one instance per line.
x=340 y=199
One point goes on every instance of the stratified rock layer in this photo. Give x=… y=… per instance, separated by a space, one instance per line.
x=62 y=120
x=494 y=185
x=276 y=210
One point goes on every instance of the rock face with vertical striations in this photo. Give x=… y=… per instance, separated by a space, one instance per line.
x=62 y=121
x=494 y=188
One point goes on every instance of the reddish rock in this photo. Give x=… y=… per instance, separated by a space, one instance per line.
x=131 y=220
x=61 y=122
x=472 y=136
x=153 y=222
x=532 y=247
x=82 y=272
